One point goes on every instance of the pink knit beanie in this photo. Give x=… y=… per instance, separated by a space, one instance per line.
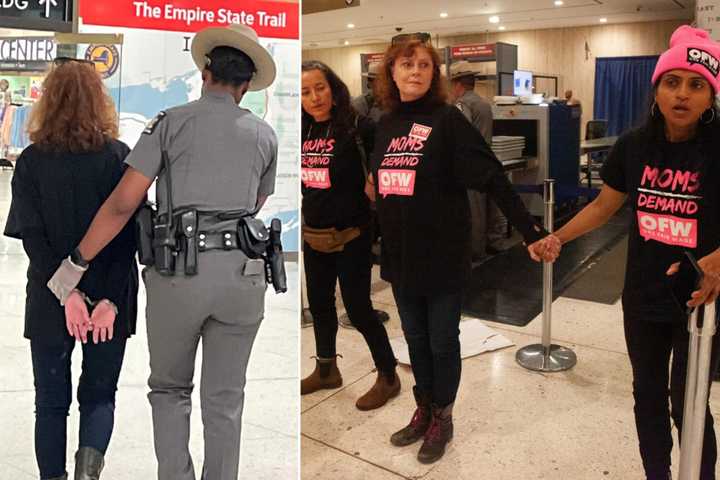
x=691 y=49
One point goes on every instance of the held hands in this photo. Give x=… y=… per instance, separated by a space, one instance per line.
x=546 y=249
x=710 y=283
x=77 y=319
x=103 y=319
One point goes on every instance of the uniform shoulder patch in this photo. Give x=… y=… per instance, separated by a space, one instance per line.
x=152 y=124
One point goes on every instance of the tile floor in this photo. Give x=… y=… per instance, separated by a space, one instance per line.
x=270 y=448
x=510 y=423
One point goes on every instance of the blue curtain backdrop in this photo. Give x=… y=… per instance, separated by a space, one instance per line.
x=622 y=89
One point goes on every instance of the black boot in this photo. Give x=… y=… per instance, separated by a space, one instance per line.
x=438 y=435
x=88 y=464
x=419 y=424
x=61 y=477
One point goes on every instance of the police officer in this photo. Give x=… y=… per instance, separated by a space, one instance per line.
x=222 y=159
x=478 y=112
x=366 y=105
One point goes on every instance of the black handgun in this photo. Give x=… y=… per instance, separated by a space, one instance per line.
x=275 y=259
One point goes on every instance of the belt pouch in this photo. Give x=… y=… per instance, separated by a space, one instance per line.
x=188 y=223
x=253 y=236
x=164 y=246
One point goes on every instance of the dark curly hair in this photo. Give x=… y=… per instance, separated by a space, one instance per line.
x=342 y=113
x=654 y=122
x=388 y=93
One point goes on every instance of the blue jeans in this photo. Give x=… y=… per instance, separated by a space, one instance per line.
x=53 y=394
x=431 y=324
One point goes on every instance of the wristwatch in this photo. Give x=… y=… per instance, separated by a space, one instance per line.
x=77 y=259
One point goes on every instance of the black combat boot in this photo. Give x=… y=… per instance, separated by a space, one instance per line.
x=438 y=435
x=419 y=424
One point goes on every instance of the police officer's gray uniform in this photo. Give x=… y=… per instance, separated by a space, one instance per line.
x=489 y=224
x=223 y=158
x=366 y=104
x=478 y=112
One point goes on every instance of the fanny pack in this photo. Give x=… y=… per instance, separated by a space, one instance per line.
x=329 y=240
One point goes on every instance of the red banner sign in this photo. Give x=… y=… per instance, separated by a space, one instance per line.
x=269 y=19
x=477 y=50
x=374 y=57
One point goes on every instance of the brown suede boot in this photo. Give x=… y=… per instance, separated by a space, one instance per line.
x=387 y=386
x=437 y=436
x=325 y=376
x=419 y=424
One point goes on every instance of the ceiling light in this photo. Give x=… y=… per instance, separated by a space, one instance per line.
x=559 y=3
x=351 y=25
x=443 y=15
x=494 y=19
x=603 y=20
x=347 y=42
x=501 y=27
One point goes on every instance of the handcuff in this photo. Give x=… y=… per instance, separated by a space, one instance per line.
x=94 y=303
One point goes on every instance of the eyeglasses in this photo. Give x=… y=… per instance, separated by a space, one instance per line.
x=63 y=60
x=409 y=37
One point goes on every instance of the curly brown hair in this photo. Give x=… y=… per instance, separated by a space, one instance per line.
x=75 y=113
x=388 y=93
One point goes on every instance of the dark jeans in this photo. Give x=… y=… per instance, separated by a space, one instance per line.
x=649 y=346
x=431 y=324
x=352 y=268
x=53 y=394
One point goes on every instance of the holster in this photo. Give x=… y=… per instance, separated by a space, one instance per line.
x=144 y=223
x=164 y=246
x=188 y=225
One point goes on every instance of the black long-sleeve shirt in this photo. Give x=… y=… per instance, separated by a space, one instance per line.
x=55 y=196
x=425 y=158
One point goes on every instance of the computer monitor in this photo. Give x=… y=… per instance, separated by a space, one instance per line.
x=522 y=83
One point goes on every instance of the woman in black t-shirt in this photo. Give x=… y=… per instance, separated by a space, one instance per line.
x=425 y=158
x=59 y=183
x=336 y=231
x=669 y=171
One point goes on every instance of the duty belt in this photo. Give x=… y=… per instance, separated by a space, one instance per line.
x=224 y=240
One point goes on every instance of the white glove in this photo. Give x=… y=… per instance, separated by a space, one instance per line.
x=65 y=279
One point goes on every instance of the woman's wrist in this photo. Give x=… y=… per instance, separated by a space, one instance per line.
x=110 y=304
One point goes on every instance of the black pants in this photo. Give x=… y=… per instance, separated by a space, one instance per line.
x=352 y=267
x=431 y=324
x=649 y=346
x=53 y=394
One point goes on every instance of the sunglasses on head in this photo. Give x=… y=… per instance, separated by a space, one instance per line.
x=409 y=37
x=63 y=60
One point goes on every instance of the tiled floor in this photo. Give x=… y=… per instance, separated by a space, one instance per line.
x=510 y=423
x=270 y=445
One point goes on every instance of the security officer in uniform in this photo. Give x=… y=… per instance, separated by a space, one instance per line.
x=489 y=224
x=223 y=161
x=366 y=105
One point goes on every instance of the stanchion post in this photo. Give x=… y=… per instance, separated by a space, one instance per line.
x=546 y=357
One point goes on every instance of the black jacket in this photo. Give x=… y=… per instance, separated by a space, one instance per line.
x=54 y=199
